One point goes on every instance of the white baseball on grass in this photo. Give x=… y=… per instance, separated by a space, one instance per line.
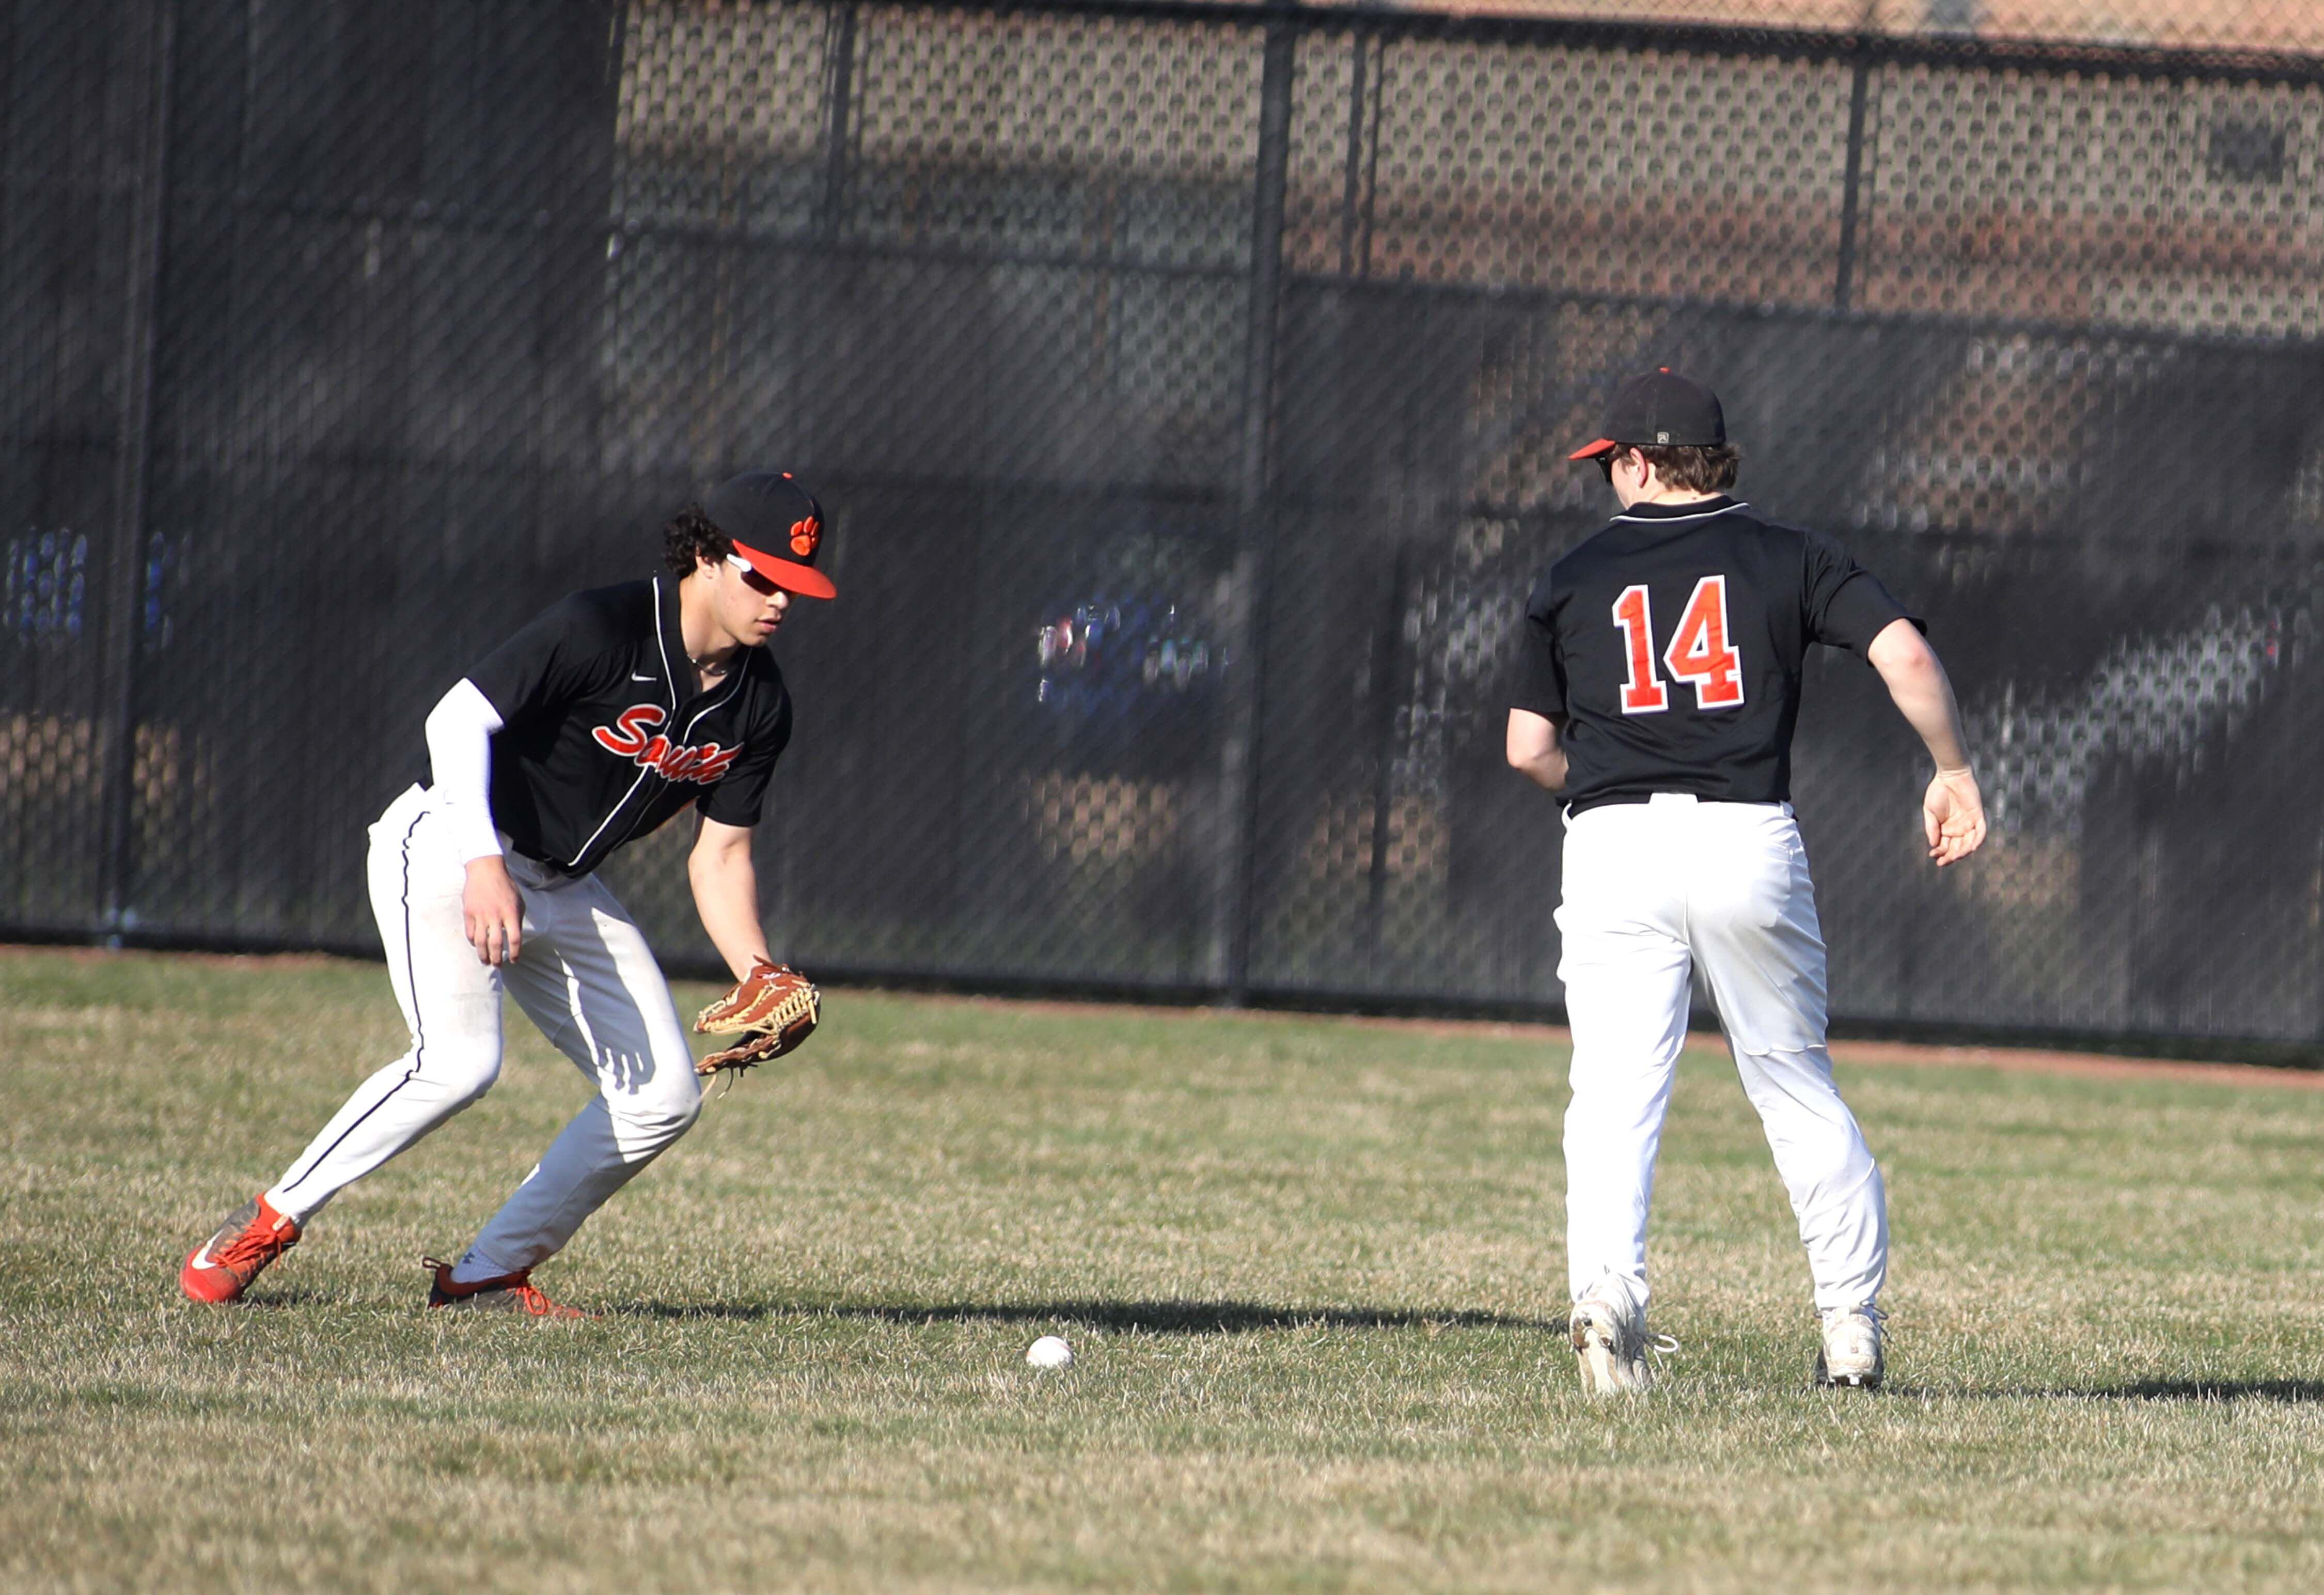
x=1049 y=1351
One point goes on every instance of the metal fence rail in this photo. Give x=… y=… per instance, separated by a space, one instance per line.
x=1190 y=385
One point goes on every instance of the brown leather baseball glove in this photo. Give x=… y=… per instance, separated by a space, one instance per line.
x=773 y=1009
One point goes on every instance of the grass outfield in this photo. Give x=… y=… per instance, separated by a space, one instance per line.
x=1312 y=1269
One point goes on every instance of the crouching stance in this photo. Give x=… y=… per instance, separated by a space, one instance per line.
x=600 y=720
x=1661 y=684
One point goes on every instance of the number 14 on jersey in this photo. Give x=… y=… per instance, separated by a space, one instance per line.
x=1699 y=653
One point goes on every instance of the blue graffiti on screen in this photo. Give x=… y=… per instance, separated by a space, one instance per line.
x=1106 y=658
x=162 y=559
x=47 y=598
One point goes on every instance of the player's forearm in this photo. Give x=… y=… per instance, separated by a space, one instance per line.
x=1545 y=771
x=1925 y=699
x=726 y=896
x=1923 y=693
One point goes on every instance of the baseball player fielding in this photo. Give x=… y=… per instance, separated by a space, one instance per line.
x=1661 y=684
x=602 y=719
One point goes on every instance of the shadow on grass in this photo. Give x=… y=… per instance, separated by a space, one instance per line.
x=2287 y=1392
x=1131 y=1318
x=2282 y=1392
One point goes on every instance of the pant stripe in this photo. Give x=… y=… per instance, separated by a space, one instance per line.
x=419 y=1029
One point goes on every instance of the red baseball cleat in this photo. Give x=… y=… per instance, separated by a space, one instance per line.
x=221 y=1268
x=504 y=1293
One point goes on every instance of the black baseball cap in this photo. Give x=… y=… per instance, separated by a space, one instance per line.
x=776 y=526
x=1660 y=407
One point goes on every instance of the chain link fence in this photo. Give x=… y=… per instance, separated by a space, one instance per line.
x=1189 y=384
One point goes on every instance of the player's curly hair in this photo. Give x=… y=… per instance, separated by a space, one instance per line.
x=1693 y=467
x=690 y=536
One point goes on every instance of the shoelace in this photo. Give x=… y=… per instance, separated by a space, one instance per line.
x=1662 y=1347
x=255 y=1245
x=537 y=1304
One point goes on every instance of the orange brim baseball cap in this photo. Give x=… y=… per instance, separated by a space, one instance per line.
x=776 y=526
x=789 y=575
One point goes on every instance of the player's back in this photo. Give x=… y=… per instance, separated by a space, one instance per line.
x=1670 y=644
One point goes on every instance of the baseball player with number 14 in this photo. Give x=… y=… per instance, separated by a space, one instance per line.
x=605 y=717
x=1660 y=688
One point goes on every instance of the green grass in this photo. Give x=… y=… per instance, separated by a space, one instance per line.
x=1313 y=1271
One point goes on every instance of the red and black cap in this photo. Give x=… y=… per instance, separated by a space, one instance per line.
x=776 y=526
x=1660 y=407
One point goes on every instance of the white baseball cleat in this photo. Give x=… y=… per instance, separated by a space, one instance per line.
x=1850 y=1357
x=1610 y=1339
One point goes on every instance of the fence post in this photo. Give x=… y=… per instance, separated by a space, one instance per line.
x=142 y=154
x=1235 y=897
x=1843 y=286
x=1387 y=668
x=840 y=106
x=1351 y=198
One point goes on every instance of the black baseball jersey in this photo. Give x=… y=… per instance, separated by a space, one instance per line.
x=1668 y=647
x=602 y=735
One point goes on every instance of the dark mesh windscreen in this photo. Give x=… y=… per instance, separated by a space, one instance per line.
x=1190 y=388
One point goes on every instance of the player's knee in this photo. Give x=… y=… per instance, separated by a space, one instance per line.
x=653 y=1125
x=479 y=1080
x=465 y=1069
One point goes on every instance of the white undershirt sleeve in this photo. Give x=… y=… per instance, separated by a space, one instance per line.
x=460 y=755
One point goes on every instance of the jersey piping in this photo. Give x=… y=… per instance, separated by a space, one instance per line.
x=1722 y=507
x=662 y=646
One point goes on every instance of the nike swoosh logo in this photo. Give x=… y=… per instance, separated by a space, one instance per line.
x=202 y=1258
x=635 y=676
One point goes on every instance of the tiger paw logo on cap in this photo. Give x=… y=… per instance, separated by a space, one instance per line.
x=776 y=527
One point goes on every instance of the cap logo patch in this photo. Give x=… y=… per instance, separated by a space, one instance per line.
x=806 y=536
x=1662 y=437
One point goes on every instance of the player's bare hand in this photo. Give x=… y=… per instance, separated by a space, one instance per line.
x=490 y=912
x=1952 y=815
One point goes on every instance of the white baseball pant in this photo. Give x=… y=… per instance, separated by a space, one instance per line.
x=1652 y=891
x=585 y=976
